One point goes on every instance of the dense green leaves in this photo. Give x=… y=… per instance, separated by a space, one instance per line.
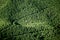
x=30 y=20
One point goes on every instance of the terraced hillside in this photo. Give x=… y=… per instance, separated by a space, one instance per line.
x=29 y=19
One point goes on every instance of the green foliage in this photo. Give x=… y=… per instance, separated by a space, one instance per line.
x=30 y=20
